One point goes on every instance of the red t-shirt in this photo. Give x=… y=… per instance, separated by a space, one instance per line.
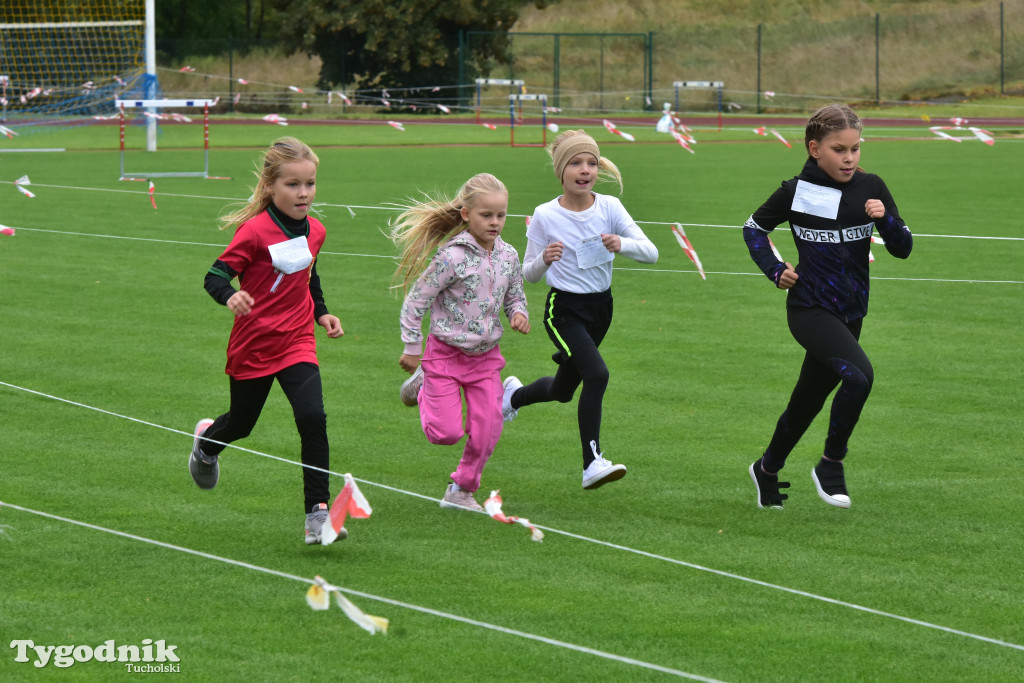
x=278 y=331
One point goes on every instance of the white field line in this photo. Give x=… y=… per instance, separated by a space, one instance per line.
x=568 y=534
x=371 y=596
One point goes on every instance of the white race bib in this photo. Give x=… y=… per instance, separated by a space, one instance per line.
x=291 y=256
x=590 y=252
x=816 y=200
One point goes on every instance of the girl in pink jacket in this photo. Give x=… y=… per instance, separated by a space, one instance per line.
x=470 y=278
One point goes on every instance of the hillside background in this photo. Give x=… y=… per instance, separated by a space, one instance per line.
x=802 y=53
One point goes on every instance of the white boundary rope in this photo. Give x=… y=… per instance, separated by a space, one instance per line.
x=395 y=208
x=683 y=563
x=370 y=596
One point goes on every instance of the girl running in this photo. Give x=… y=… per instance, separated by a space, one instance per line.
x=833 y=206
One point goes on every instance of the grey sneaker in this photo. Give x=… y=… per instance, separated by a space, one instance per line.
x=455 y=497
x=601 y=471
x=410 y=392
x=315 y=521
x=510 y=385
x=204 y=468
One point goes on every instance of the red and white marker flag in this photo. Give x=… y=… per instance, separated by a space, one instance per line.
x=237 y=97
x=294 y=88
x=152 y=194
x=940 y=131
x=761 y=130
x=957 y=121
x=4 y=230
x=681 y=140
x=775 y=251
x=8 y=132
x=345 y=99
x=489 y=125
x=445 y=109
x=396 y=124
x=276 y=118
x=350 y=502
x=493 y=507
x=983 y=135
x=20 y=183
x=243 y=81
x=385 y=103
x=318 y=597
x=612 y=129
x=684 y=242
x=186 y=69
x=779 y=136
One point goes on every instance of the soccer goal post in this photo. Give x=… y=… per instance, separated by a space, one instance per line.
x=147 y=107
x=63 y=58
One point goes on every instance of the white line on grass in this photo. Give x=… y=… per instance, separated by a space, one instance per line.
x=655 y=270
x=370 y=596
x=568 y=534
x=399 y=208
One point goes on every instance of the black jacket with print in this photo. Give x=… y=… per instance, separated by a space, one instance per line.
x=832 y=252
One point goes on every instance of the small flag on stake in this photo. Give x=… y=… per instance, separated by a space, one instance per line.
x=7 y=131
x=397 y=125
x=445 y=109
x=4 y=230
x=684 y=242
x=276 y=118
x=489 y=125
x=152 y=194
x=294 y=88
x=493 y=507
x=318 y=597
x=350 y=501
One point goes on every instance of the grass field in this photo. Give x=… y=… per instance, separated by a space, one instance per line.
x=110 y=350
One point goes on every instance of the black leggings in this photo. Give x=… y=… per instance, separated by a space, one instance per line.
x=834 y=357
x=576 y=323
x=301 y=384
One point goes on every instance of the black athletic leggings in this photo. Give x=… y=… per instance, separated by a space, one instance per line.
x=834 y=357
x=576 y=323
x=301 y=384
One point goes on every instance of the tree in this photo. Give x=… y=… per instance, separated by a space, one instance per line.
x=397 y=44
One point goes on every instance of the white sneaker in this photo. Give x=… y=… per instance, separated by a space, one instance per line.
x=601 y=471
x=511 y=384
x=455 y=497
x=410 y=391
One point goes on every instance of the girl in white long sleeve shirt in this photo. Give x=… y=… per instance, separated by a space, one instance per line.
x=573 y=240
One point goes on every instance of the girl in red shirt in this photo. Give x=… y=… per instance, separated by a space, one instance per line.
x=273 y=255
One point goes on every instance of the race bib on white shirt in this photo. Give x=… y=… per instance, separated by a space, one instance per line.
x=590 y=252
x=291 y=256
x=816 y=200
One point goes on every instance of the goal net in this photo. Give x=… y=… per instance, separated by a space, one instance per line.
x=70 y=57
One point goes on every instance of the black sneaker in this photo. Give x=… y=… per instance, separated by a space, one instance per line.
x=831 y=483
x=768 y=486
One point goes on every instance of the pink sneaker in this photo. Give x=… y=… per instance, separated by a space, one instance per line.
x=455 y=497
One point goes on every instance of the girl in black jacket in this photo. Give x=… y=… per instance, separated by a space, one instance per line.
x=833 y=206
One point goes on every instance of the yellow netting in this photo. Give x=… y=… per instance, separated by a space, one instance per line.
x=69 y=56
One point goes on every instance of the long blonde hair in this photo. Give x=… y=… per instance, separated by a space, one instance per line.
x=283 y=151
x=606 y=170
x=425 y=225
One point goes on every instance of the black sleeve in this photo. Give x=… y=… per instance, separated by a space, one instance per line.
x=756 y=229
x=218 y=282
x=319 y=307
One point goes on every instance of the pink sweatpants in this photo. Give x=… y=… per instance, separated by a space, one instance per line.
x=447 y=372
